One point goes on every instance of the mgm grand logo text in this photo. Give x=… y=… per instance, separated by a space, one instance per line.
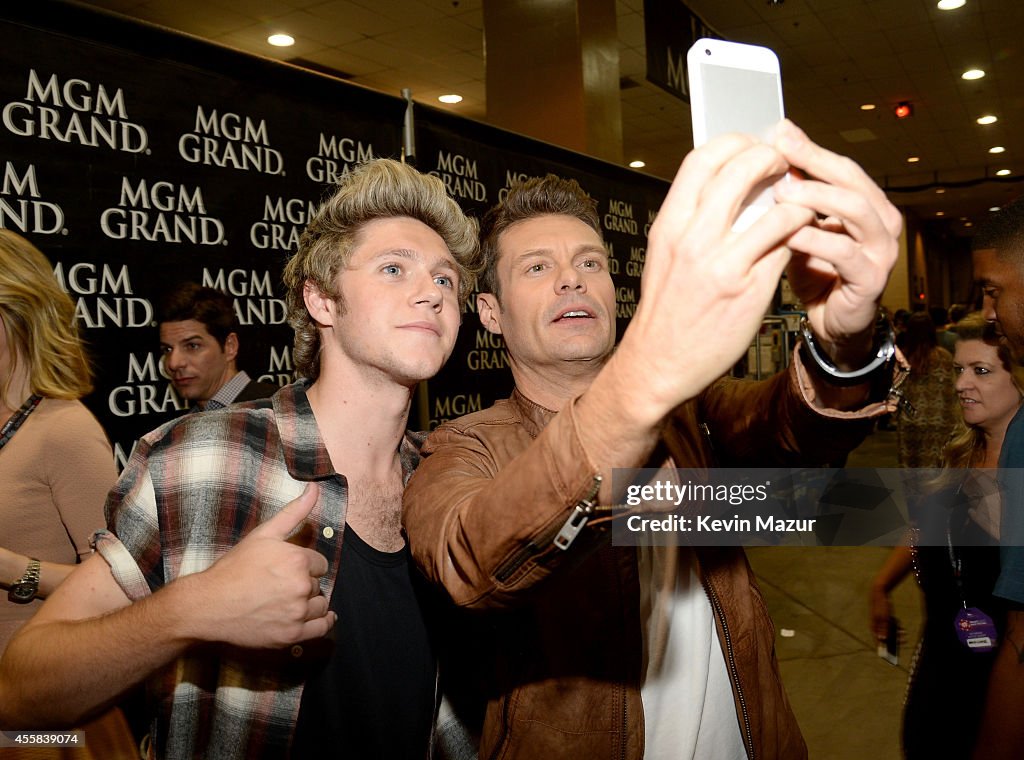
x=232 y=141
x=460 y=176
x=161 y=212
x=74 y=111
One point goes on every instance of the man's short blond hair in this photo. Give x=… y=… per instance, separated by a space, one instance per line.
x=379 y=189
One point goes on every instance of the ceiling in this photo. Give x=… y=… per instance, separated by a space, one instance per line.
x=835 y=56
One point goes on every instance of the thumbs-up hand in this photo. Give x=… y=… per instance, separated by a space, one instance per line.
x=265 y=592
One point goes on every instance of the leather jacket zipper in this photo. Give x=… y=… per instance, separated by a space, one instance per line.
x=561 y=535
x=498 y=745
x=623 y=741
x=517 y=560
x=733 y=672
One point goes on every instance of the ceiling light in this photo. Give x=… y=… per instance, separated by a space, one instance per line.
x=1003 y=173
x=913 y=159
x=637 y=164
x=972 y=74
x=281 y=40
x=452 y=98
x=994 y=208
x=940 y=191
x=940 y=213
x=950 y=5
x=997 y=149
x=903 y=110
x=968 y=224
x=868 y=107
x=988 y=119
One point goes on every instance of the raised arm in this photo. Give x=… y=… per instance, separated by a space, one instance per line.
x=842 y=262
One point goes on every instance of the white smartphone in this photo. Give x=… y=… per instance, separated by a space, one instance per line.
x=735 y=88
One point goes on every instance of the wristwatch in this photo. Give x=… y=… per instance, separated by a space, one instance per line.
x=24 y=589
x=883 y=354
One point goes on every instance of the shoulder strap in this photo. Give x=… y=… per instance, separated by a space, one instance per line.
x=18 y=419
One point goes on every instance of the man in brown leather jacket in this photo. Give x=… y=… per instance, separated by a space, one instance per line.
x=575 y=648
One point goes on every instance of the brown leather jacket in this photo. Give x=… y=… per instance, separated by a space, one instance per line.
x=552 y=668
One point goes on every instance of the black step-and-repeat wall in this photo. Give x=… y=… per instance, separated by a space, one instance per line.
x=136 y=158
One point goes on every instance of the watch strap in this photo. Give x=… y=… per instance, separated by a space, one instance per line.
x=26 y=587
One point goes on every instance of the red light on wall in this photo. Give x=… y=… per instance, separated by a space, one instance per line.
x=903 y=110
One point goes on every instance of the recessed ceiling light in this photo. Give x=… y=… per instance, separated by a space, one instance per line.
x=452 y=98
x=281 y=40
x=972 y=74
x=968 y=224
x=940 y=191
x=1003 y=173
x=989 y=119
x=868 y=107
x=913 y=159
x=940 y=213
x=950 y=5
x=994 y=208
x=997 y=149
x=637 y=164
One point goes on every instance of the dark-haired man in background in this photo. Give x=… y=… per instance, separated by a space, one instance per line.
x=199 y=345
x=999 y=269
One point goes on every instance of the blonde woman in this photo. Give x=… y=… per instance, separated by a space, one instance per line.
x=55 y=462
x=949 y=678
x=56 y=465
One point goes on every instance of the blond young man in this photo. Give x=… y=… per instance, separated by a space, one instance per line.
x=197 y=587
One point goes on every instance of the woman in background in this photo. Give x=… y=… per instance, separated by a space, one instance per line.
x=949 y=676
x=924 y=427
x=56 y=465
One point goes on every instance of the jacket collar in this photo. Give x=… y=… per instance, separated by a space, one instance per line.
x=534 y=416
x=304 y=451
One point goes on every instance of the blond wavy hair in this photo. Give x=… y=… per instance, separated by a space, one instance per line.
x=379 y=189
x=39 y=320
x=966 y=445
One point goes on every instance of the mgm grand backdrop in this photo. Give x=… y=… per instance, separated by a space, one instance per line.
x=136 y=158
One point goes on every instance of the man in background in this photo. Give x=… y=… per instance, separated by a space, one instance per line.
x=199 y=345
x=999 y=270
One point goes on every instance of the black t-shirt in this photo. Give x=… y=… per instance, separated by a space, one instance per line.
x=374 y=697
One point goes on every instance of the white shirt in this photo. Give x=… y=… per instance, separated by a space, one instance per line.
x=689 y=711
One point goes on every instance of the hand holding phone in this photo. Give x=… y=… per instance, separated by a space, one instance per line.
x=889 y=648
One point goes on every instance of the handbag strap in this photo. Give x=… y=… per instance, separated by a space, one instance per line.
x=18 y=419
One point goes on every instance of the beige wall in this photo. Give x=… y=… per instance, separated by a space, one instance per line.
x=897 y=292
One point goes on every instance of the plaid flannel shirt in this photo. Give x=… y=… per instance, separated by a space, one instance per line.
x=191 y=490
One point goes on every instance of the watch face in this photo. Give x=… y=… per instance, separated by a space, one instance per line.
x=21 y=592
